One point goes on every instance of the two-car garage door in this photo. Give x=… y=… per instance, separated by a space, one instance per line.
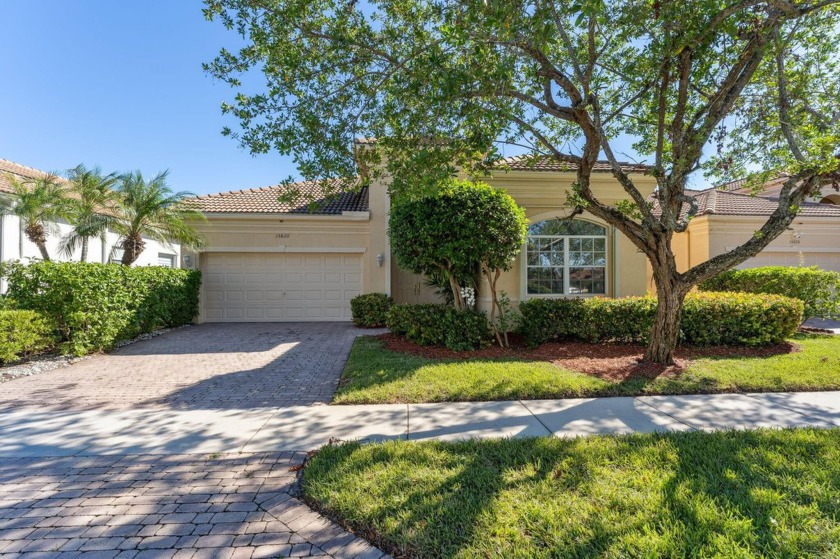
x=279 y=287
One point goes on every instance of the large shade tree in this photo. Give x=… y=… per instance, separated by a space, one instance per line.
x=39 y=204
x=151 y=209
x=733 y=85
x=90 y=201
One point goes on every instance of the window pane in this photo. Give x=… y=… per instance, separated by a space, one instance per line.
x=586 y=244
x=545 y=280
x=600 y=259
x=566 y=227
x=601 y=245
x=574 y=244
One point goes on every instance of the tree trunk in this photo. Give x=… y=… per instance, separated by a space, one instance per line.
x=665 y=333
x=456 y=292
x=36 y=233
x=84 y=249
x=42 y=248
x=132 y=247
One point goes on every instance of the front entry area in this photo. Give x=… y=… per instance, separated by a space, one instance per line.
x=279 y=287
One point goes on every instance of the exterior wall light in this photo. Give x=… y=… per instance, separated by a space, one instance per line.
x=188 y=261
x=380 y=258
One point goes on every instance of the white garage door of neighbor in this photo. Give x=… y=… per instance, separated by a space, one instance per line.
x=279 y=287
x=825 y=260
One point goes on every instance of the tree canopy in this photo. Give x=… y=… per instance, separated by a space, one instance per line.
x=735 y=86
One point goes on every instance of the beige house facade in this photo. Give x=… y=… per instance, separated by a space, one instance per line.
x=730 y=214
x=268 y=260
x=271 y=260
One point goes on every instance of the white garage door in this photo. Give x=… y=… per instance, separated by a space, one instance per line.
x=278 y=287
x=825 y=260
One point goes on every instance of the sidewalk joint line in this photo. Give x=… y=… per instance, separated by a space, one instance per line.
x=639 y=399
x=524 y=405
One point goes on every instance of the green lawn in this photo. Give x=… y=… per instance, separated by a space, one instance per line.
x=764 y=493
x=376 y=375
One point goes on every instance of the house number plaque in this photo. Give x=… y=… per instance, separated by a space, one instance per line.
x=282 y=235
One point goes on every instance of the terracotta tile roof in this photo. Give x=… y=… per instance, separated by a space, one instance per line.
x=21 y=173
x=551 y=164
x=312 y=198
x=744 y=186
x=724 y=202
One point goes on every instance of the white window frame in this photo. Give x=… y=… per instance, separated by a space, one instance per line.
x=566 y=265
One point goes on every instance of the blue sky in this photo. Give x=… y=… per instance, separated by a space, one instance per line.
x=119 y=84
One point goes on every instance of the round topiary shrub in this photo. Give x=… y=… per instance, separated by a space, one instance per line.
x=371 y=309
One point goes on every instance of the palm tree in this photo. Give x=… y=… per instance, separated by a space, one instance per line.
x=151 y=209
x=90 y=207
x=39 y=204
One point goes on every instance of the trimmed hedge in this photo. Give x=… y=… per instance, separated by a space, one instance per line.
x=818 y=289
x=441 y=325
x=371 y=309
x=23 y=333
x=96 y=305
x=707 y=319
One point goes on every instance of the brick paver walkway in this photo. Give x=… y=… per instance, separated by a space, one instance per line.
x=193 y=384
x=132 y=507
x=208 y=366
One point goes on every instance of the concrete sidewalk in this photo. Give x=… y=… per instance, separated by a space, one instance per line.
x=28 y=431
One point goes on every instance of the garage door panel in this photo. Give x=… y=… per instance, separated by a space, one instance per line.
x=825 y=260
x=279 y=287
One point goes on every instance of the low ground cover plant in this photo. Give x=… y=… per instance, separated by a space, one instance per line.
x=746 y=494
x=24 y=333
x=818 y=289
x=370 y=310
x=443 y=325
x=93 y=306
x=708 y=318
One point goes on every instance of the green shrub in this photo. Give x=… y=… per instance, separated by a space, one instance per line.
x=96 y=305
x=371 y=309
x=440 y=325
x=739 y=318
x=707 y=319
x=818 y=289
x=549 y=319
x=23 y=333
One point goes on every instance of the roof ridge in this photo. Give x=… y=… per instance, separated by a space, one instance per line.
x=272 y=187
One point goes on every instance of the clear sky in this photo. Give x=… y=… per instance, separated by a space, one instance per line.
x=118 y=83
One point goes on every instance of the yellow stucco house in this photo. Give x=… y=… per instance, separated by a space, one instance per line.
x=268 y=260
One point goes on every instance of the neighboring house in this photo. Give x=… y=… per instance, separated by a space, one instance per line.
x=728 y=215
x=268 y=260
x=15 y=246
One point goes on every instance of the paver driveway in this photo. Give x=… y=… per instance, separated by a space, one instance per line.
x=208 y=366
x=135 y=482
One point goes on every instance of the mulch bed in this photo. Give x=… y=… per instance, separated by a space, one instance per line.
x=610 y=361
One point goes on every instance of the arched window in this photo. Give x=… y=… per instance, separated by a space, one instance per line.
x=566 y=257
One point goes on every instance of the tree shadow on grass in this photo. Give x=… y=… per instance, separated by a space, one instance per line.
x=728 y=494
